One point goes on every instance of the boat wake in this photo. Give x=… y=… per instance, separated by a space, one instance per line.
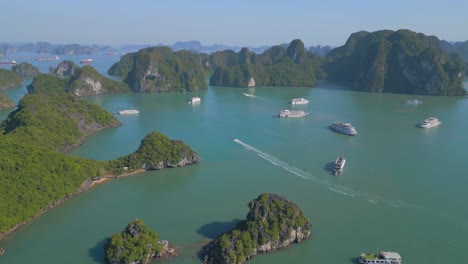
x=343 y=190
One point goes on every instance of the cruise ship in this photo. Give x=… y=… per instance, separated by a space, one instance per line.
x=128 y=112
x=339 y=165
x=194 y=100
x=382 y=258
x=46 y=58
x=430 y=122
x=86 y=61
x=344 y=128
x=298 y=101
x=292 y=113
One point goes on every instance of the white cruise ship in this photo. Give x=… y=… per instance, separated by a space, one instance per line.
x=128 y=112
x=413 y=102
x=298 y=101
x=382 y=258
x=292 y=113
x=430 y=122
x=339 y=165
x=194 y=100
x=344 y=128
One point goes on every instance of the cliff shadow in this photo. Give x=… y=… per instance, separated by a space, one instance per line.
x=213 y=229
x=97 y=252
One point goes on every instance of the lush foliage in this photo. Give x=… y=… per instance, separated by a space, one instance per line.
x=270 y=220
x=9 y=79
x=83 y=80
x=275 y=67
x=47 y=84
x=135 y=244
x=25 y=69
x=158 y=69
x=156 y=151
x=399 y=62
x=56 y=121
x=6 y=102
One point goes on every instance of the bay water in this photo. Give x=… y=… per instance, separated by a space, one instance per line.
x=403 y=188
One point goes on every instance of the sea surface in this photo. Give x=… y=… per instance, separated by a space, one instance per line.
x=403 y=188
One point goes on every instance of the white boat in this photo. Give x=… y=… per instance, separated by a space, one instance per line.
x=247 y=94
x=7 y=62
x=385 y=257
x=413 y=102
x=86 y=61
x=298 y=101
x=128 y=112
x=339 y=165
x=292 y=113
x=194 y=100
x=430 y=122
x=344 y=128
x=46 y=58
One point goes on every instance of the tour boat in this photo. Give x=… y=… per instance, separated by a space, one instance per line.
x=88 y=60
x=385 y=257
x=430 y=122
x=292 y=113
x=7 y=62
x=344 y=128
x=339 y=165
x=194 y=100
x=413 y=102
x=297 y=101
x=128 y=112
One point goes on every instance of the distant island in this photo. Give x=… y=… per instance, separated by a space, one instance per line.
x=34 y=140
x=272 y=223
x=25 y=69
x=137 y=243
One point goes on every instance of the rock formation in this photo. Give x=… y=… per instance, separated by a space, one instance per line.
x=66 y=68
x=25 y=69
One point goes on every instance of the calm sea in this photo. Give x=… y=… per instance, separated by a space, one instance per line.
x=403 y=188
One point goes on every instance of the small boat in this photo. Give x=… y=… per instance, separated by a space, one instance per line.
x=292 y=113
x=413 y=102
x=194 y=100
x=339 y=165
x=88 y=60
x=7 y=62
x=385 y=257
x=298 y=101
x=247 y=94
x=430 y=122
x=128 y=112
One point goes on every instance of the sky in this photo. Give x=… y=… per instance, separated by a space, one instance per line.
x=229 y=22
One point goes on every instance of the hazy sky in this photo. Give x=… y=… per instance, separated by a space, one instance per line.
x=230 y=22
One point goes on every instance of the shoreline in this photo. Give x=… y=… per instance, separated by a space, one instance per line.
x=85 y=186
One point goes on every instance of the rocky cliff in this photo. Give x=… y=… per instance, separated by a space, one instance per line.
x=6 y=102
x=87 y=81
x=396 y=62
x=158 y=69
x=272 y=223
x=65 y=68
x=25 y=69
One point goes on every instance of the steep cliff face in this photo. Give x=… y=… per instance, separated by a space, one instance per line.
x=25 y=69
x=66 y=68
x=275 y=67
x=158 y=69
x=87 y=81
x=272 y=223
x=396 y=62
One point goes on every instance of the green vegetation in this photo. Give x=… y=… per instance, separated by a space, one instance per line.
x=9 y=79
x=396 y=61
x=156 y=151
x=272 y=222
x=135 y=244
x=84 y=81
x=25 y=69
x=275 y=67
x=158 y=69
x=6 y=102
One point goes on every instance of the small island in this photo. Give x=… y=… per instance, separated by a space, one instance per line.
x=9 y=79
x=6 y=102
x=137 y=243
x=272 y=223
x=25 y=69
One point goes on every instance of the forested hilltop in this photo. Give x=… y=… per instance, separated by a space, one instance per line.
x=35 y=171
x=396 y=62
x=278 y=66
x=159 y=69
x=9 y=79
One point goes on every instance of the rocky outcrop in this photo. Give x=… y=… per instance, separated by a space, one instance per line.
x=87 y=81
x=396 y=62
x=136 y=244
x=66 y=68
x=272 y=223
x=6 y=102
x=25 y=69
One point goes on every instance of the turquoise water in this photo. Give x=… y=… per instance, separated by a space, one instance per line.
x=403 y=187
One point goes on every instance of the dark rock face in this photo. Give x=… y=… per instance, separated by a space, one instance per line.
x=66 y=68
x=396 y=62
x=272 y=223
x=25 y=69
